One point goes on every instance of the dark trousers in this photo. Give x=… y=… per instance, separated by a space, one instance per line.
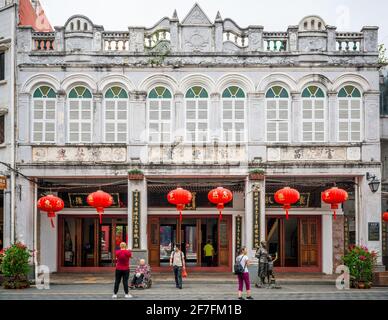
x=137 y=280
x=178 y=276
x=209 y=261
x=121 y=274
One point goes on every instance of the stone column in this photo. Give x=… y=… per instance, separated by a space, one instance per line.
x=296 y=118
x=174 y=34
x=255 y=115
x=140 y=188
x=59 y=44
x=24 y=211
x=292 y=38
x=248 y=218
x=61 y=129
x=369 y=212
x=370 y=39
x=215 y=115
x=218 y=34
x=136 y=39
x=255 y=38
x=332 y=118
x=98 y=117
x=372 y=116
x=137 y=117
x=331 y=39
x=179 y=125
x=25 y=117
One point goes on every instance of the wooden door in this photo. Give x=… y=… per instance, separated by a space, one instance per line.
x=308 y=242
x=154 y=241
x=224 y=241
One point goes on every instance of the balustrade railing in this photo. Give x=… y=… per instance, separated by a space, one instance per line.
x=349 y=41
x=43 y=41
x=151 y=40
x=275 y=41
x=238 y=39
x=116 y=41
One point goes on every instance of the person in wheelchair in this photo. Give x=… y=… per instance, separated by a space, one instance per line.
x=142 y=276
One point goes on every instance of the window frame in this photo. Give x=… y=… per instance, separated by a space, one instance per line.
x=116 y=121
x=349 y=120
x=233 y=120
x=196 y=122
x=288 y=120
x=160 y=121
x=3 y=131
x=314 y=120
x=69 y=121
x=44 y=121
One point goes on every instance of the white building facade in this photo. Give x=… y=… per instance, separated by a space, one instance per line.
x=197 y=104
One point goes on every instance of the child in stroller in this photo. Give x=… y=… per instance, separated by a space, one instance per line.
x=142 y=277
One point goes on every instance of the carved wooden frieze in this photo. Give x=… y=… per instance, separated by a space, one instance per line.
x=79 y=154
x=314 y=154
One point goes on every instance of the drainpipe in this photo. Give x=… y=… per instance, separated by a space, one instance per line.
x=12 y=120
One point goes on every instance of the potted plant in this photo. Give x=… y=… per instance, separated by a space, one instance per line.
x=1 y=260
x=15 y=266
x=256 y=174
x=135 y=174
x=361 y=263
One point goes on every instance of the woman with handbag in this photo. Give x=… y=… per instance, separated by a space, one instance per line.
x=241 y=269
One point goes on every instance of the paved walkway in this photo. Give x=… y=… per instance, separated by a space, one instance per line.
x=196 y=291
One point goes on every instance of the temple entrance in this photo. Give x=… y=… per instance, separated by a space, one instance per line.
x=193 y=234
x=296 y=242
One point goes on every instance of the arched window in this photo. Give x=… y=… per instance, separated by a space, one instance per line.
x=349 y=114
x=313 y=114
x=277 y=114
x=44 y=114
x=80 y=115
x=233 y=114
x=116 y=115
x=197 y=114
x=159 y=115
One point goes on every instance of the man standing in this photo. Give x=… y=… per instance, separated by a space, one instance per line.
x=177 y=261
x=209 y=253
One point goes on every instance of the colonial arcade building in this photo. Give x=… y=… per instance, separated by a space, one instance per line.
x=197 y=104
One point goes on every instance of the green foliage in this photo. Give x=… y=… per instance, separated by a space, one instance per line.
x=15 y=261
x=383 y=59
x=257 y=171
x=135 y=171
x=360 y=262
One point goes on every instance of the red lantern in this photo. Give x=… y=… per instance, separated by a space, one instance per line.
x=100 y=200
x=334 y=196
x=51 y=204
x=179 y=197
x=385 y=216
x=287 y=196
x=220 y=196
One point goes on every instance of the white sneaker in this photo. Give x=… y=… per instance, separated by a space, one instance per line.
x=128 y=296
x=114 y=296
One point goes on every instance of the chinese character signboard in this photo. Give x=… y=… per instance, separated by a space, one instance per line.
x=373 y=231
x=192 y=205
x=256 y=220
x=303 y=202
x=136 y=220
x=238 y=233
x=78 y=200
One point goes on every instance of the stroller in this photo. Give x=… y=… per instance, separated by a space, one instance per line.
x=141 y=278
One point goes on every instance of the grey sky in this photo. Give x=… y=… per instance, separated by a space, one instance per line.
x=274 y=15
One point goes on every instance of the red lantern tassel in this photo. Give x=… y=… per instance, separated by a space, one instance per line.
x=220 y=216
x=335 y=215
x=286 y=214
x=180 y=215
x=52 y=223
x=100 y=218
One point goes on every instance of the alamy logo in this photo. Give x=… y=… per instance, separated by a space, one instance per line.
x=343 y=280
x=42 y=277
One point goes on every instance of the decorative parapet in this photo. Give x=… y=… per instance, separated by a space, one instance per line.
x=196 y=34
x=43 y=41
x=115 y=41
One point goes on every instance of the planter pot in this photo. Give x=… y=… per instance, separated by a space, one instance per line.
x=17 y=282
x=361 y=285
x=256 y=176
x=136 y=176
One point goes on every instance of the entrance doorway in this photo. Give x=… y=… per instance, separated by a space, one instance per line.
x=192 y=233
x=296 y=242
x=85 y=243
